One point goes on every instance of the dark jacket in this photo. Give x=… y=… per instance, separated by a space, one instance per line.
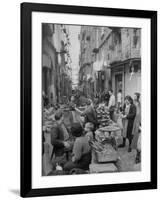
x=57 y=139
x=131 y=116
x=91 y=116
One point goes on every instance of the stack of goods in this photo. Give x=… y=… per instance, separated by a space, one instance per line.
x=103 y=116
x=104 y=150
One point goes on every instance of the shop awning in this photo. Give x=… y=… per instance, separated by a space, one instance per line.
x=119 y=63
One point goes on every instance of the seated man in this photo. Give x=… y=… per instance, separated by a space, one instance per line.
x=81 y=150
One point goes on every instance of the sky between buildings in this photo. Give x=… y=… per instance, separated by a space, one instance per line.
x=74 y=51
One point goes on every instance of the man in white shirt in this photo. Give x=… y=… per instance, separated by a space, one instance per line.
x=119 y=98
x=111 y=104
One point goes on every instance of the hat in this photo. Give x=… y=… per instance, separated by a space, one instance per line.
x=76 y=130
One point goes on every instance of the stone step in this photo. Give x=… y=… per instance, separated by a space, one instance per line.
x=102 y=168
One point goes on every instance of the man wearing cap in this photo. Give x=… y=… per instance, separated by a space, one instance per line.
x=59 y=137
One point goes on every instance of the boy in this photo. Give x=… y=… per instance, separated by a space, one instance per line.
x=89 y=128
x=81 y=150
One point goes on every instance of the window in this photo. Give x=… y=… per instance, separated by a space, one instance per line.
x=88 y=38
x=83 y=35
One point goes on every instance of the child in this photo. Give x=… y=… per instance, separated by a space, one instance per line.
x=89 y=128
x=81 y=150
x=119 y=119
x=120 y=124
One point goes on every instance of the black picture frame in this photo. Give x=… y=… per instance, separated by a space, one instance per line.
x=26 y=103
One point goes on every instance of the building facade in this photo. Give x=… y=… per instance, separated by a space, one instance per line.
x=56 y=69
x=125 y=61
x=86 y=79
x=111 y=58
x=94 y=74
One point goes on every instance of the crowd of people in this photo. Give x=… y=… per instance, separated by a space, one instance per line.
x=71 y=150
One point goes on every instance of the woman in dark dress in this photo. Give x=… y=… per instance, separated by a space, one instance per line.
x=129 y=117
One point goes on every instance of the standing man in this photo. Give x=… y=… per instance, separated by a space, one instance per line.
x=119 y=99
x=59 y=139
x=106 y=97
x=111 y=103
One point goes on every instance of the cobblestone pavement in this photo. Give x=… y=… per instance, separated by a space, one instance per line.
x=127 y=160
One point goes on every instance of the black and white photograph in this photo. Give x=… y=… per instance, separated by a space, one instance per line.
x=91 y=99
